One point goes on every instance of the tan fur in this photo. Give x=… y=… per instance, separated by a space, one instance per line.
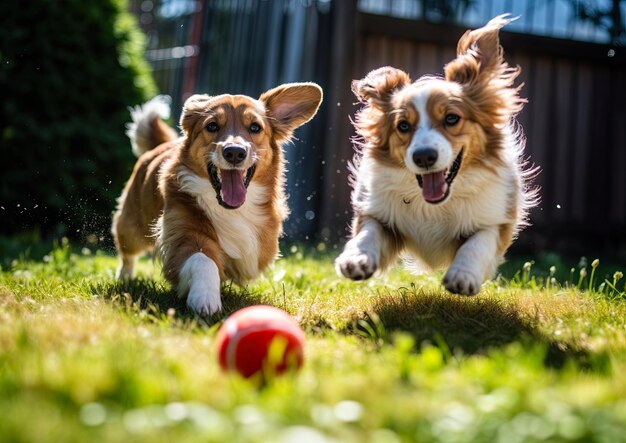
x=139 y=205
x=156 y=205
x=161 y=132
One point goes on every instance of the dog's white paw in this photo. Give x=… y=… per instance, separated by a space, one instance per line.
x=200 y=281
x=356 y=264
x=204 y=301
x=462 y=281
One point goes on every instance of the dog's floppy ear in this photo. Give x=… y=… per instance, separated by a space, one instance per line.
x=479 y=53
x=291 y=105
x=192 y=111
x=378 y=86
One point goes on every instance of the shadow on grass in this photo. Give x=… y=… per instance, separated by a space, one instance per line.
x=474 y=325
x=470 y=326
x=160 y=300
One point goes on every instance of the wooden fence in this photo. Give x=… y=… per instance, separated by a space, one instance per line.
x=575 y=119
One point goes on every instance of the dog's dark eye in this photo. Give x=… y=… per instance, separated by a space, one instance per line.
x=255 y=128
x=451 y=119
x=212 y=127
x=403 y=126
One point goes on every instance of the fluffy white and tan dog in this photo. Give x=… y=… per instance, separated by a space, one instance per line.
x=439 y=175
x=212 y=200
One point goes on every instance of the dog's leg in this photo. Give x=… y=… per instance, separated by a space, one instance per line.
x=126 y=269
x=475 y=261
x=200 y=280
x=372 y=247
x=131 y=240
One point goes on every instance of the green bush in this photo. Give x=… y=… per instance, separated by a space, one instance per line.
x=68 y=71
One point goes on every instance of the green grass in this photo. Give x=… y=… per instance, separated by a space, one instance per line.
x=395 y=359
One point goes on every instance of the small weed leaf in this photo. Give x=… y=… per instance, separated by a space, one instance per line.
x=371 y=327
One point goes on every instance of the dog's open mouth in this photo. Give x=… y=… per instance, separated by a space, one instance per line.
x=231 y=185
x=436 y=186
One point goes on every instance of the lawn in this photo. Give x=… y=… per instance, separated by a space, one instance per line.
x=537 y=356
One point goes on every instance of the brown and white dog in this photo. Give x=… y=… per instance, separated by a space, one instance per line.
x=440 y=177
x=213 y=200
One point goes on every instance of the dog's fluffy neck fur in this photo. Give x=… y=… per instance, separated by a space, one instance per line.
x=237 y=230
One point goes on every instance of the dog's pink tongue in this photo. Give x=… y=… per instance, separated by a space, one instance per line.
x=434 y=186
x=233 y=188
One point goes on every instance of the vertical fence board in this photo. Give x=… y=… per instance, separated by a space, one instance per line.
x=561 y=175
x=538 y=128
x=597 y=153
x=582 y=130
x=402 y=56
x=427 y=57
x=617 y=206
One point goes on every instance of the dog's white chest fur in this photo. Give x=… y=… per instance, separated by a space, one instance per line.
x=432 y=232
x=236 y=229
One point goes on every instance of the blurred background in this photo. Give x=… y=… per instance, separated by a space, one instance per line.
x=69 y=69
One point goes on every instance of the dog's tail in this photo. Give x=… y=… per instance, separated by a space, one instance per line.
x=148 y=130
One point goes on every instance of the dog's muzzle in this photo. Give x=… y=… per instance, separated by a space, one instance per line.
x=436 y=185
x=230 y=185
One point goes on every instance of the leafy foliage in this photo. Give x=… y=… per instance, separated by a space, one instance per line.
x=68 y=71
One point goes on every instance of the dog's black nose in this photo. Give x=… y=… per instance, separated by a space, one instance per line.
x=234 y=154
x=425 y=157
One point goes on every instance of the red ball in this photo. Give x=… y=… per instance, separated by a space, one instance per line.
x=260 y=340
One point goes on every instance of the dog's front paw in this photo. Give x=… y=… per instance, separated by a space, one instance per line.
x=356 y=264
x=200 y=282
x=204 y=302
x=462 y=281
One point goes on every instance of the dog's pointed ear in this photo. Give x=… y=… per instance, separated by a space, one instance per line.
x=192 y=111
x=483 y=73
x=479 y=53
x=291 y=105
x=378 y=86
